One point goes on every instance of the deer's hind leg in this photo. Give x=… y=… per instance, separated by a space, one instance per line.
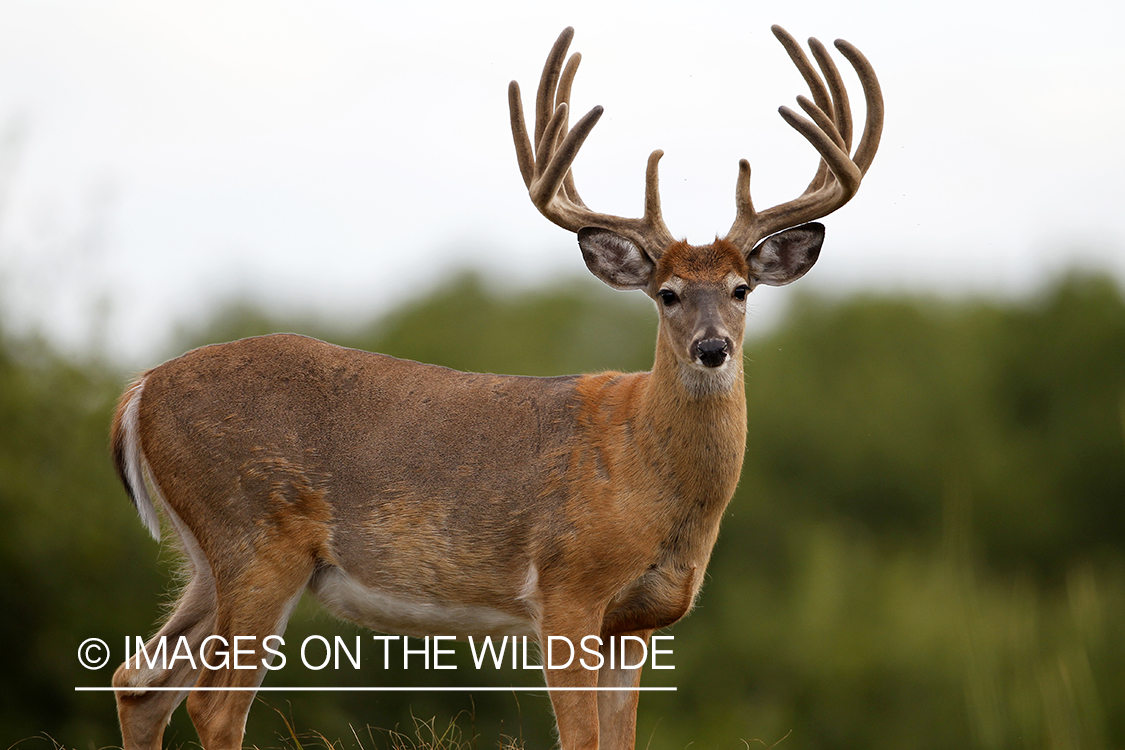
x=144 y=713
x=258 y=581
x=252 y=608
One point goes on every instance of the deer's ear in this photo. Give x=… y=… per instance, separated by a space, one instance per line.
x=614 y=259
x=786 y=256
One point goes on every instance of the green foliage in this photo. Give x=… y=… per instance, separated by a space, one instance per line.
x=573 y=327
x=871 y=410
x=927 y=548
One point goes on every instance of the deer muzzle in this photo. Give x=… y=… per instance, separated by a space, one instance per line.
x=711 y=352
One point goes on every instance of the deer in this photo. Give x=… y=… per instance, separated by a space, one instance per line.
x=418 y=500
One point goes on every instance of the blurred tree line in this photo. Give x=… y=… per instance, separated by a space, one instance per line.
x=927 y=547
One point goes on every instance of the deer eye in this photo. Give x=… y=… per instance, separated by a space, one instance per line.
x=668 y=297
x=741 y=291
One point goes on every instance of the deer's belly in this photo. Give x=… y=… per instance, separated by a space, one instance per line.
x=390 y=612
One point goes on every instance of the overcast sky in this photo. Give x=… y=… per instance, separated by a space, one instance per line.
x=342 y=156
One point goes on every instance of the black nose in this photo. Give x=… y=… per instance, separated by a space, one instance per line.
x=711 y=352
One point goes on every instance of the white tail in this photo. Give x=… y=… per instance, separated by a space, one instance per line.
x=423 y=501
x=130 y=463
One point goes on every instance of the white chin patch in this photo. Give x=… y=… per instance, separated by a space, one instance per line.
x=702 y=380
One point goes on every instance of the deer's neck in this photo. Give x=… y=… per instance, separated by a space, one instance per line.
x=694 y=444
x=675 y=452
x=697 y=433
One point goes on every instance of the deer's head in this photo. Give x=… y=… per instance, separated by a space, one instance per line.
x=701 y=291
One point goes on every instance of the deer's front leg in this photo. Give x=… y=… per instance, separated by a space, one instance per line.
x=617 y=709
x=576 y=710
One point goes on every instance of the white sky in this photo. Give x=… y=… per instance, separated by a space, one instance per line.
x=342 y=156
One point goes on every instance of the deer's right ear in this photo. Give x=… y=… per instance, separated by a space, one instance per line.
x=614 y=259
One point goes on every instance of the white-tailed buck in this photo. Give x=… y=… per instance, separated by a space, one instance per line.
x=421 y=501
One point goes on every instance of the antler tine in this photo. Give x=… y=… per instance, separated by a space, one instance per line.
x=548 y=82
x=821 y=103
x=841 y=106
x=827 y=110
x=563 y=97
x=558 y=156
x=797 y=55
x=545 y=164
x=837 y=122
x=525 y=156
x=873 y=96
x=829 y=131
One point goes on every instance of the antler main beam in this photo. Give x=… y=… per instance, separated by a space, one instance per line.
x=829 y=131
x=546 y=164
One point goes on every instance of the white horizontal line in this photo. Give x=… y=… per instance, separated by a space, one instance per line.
x=540 y=688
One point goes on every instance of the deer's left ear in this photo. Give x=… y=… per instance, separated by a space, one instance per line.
x=786 y=256
x=614 y=259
